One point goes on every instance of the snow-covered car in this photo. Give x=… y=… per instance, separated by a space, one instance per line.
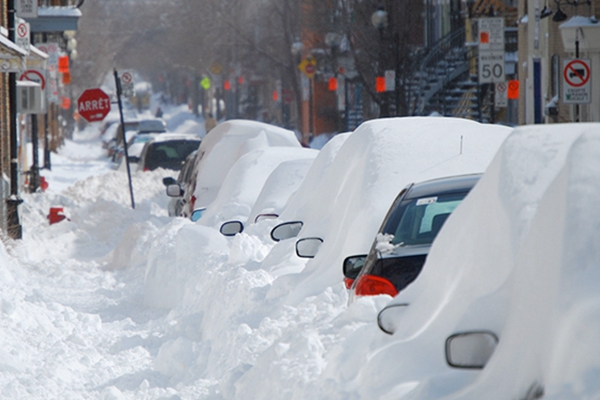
x=405 y=237
x=220 y=150
x=167 y=150
x=246 y=182
x=507 y=298
x=342 y=214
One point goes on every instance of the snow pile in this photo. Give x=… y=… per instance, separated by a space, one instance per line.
x=122 y=303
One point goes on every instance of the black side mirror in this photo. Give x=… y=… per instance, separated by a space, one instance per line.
x=262 y=217
x=471 y=350
x=286 y=230
x=387 y=318
x=133 y=159
x=308 y=247
x=231 y=228
x=169 y=180
x=353 y=264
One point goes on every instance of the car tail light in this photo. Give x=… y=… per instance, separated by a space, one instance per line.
x=348 y=282
x=371 y=285
x=146 y=169
x=192 y=202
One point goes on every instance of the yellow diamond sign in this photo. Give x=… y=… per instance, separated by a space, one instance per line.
x=308 y=66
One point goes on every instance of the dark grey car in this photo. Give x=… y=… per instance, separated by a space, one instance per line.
x=406 y=235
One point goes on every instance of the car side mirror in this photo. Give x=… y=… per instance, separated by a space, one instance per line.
x=388 y=318
x=197 y=214
x=174 y=190
x=308 y=247
x=353 y=264
x=471 y=350
x=133 y=159
x=169 y=180
x=286 y=230
x=262 y=217
x=231 y=228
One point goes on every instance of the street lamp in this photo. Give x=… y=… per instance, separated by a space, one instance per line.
x=380 y=20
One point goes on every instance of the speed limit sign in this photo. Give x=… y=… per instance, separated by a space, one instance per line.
x=491 y=67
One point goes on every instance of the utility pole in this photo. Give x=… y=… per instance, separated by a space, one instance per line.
x=13 y=225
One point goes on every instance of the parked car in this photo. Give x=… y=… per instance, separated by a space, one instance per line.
x=167 y=150
x=405 y=237
x=116 y=142
x=135 y=145
x=175 y=187
x=152 y=125
x=220 y=150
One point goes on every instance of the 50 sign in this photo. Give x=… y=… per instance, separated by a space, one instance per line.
x=491 y=67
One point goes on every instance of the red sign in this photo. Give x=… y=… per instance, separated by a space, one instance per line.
x=513 y=89
x=577 y=73
x=93 y=105
x=63 y=64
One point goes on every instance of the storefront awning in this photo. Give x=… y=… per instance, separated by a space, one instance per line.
x=55 y=19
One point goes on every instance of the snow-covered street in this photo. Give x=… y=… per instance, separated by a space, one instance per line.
x=121 y=303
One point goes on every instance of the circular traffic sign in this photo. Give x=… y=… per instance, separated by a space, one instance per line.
x=126 y=77
x=22 y=30
x=310 y=69
x=33 y=75
x=501 y=87
x=93 y=105
x=577 y=73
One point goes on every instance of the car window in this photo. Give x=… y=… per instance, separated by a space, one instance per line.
x=418 y=221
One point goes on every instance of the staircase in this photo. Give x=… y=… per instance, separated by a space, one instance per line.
x=445 y=81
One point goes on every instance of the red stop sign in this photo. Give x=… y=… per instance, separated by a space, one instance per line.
x=93 y=105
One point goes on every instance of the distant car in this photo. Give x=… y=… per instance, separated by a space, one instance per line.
x=153 y=125
x=115 y=142
x=168 y=151
x=405 y=237
x=135 y=145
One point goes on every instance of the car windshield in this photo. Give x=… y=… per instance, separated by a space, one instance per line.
x=170 y=154
x=418 y=221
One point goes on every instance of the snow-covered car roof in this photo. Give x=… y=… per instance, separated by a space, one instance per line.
x=245 y=181
x=225 y=144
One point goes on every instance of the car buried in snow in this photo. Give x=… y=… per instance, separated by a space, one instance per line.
x=405 y=237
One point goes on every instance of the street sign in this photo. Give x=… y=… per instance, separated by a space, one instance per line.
x=576 y=81
x=27 y=8
x=491 y=50
x=390 y=80
x=93 y=105
x=491 y=67
x=216 y=68
x=513 y=89
x=22 y=37
x=205 y=83
x=127 y=84
x=501 y=95
x=308 y=66
x=491 y=34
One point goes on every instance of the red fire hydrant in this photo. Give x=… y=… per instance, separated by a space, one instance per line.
x=56 y=215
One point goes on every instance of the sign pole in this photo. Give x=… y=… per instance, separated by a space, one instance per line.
x=34 y=178
x=13 y=225
x=126 y=154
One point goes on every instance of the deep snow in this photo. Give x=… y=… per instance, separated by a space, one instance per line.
x=121 y=303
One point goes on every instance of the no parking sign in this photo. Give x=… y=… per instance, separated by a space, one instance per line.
x=576 y=81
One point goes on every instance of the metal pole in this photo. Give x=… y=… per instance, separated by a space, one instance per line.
x=125 y=152
x=14 y=228
x=46 y=128
x=34 y=178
